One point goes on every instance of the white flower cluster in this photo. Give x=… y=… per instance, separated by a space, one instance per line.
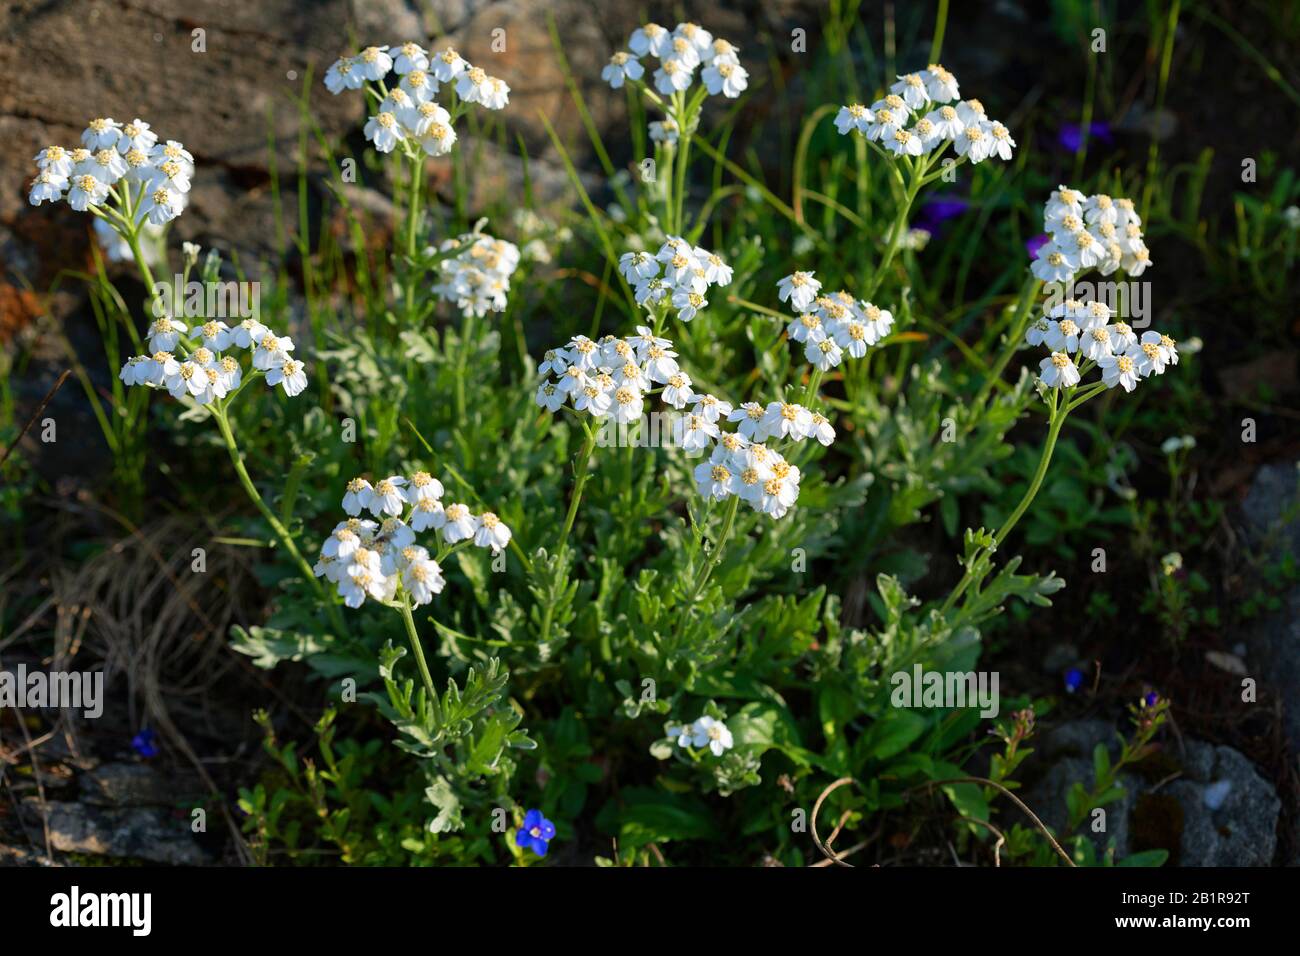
x=915 y=117
x=477 y=278
x=679 y=274
x=705 y=732
x=680 y=53
x=1089 y=232
x=831 y=325
x=364 y=557
x=154 y=177
x=1082 y=334
x=408 y=113
x=612 y=377
x=202 y=372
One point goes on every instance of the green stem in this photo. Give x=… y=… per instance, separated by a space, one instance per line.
x=683 y=160
x=896 y=235
x=728 y=522
x=416 y=647
x=941 y=22
x=281 y=532
x=412 y=219
x=580 y=479
x=462 y=363
x=1060 y=411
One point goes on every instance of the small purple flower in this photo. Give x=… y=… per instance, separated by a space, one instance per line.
x=1036 y=243
x=144 y=745
x=1150 y=699
x=1070 y=136
x=938 y=211
x=536 y=833
x=1073 y=679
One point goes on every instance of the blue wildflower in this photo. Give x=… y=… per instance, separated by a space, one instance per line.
x=1070 y=136
x=1036 y=243
x=536 y=834
x=1073 y=679
x=144 y=745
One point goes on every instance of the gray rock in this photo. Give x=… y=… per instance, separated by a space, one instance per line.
x=136 y=785
x=135 y=832
x=1242 y=831
x=1271 y=509
x=1220 y=811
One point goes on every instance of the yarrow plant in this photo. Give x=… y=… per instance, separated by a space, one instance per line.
x=1079 y=336
x=912 y=127
x=123 y=176
x=675 y=278
x=681 y=52
x=402 y=84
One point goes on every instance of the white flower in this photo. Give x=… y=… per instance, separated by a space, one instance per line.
x=384 y=131
x=490 y=532
x=458 y=524
x=900 y=142
x=635 y=267
x=1001 y=143
x=86 y=191
x=786 y=420
x=707 y=732
x=426 y=514
x=1119 y=370
x=940 y=84
x=410 y=56
x=912 y=89
x=975 y=143
x=448 y=65
x=627 y=404
x=878 y=321
x=824 y=354
x=387 y=496
x=652 y=39
x=715 y=480
x=373 y=62
x=358 y=496
x=729 y=79
x=1058 y=371
x=1063 y=336
x=852 y=117
x=694 y=432
x=422 y=577
x=164 y=333
x=697 y=36
x=710 y=408
x=101 y=133
x=1153 y=355
x=947 y=124
x=496 y=95
x=750 y=417
x=291 y=374
x=47 y=187
x=688 y=304
x=821 y=429
x=160 y=205
x=1054 y=264
x=473 y=85
x=271 y=351
x=664 y=131
x=677 y=391
x=55 y=160
x=800 y=289
x=1096 y=343
x=136 y=135
x=622 y=66
x=672 y=77
x=342 y=76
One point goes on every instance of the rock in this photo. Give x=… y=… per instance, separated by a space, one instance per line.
x=136 y=832
x=1219 y=812
x=1230 y=812
x=132 y=784
x=1271 y=509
